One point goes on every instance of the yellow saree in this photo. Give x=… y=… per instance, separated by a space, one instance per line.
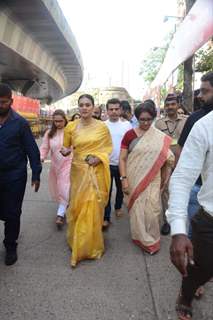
x=89 y=189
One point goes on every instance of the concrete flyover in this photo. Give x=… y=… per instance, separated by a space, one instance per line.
x=39 y=55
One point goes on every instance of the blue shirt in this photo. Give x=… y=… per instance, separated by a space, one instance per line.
x=134 y=122
x=16 y=145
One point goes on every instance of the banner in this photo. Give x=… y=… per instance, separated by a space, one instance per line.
x=193 y=33
x=26 y=105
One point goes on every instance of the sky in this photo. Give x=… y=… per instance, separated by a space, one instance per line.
x=115 y=35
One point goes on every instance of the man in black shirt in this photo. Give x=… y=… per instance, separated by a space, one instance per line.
x=207 y=84
x=16 y=145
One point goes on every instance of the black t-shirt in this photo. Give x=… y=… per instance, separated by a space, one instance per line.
x=192 y=119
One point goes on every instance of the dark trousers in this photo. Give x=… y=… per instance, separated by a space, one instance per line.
x=11 y=198
x=202 y=240
x=115 y=174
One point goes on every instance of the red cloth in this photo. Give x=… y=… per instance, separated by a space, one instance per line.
x=128 y=138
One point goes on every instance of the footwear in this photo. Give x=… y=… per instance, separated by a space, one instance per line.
x=105 y=225
x=11 y=257
x=118 y=213
x=184 y=312
x=165 y=229
x=59 y=222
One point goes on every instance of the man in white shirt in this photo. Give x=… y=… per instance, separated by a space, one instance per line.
x=194 y=259
x=117 y=129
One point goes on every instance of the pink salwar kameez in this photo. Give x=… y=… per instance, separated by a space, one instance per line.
x=59 y=174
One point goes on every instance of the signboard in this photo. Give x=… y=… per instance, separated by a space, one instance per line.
x=193 y=33
x=26 y=105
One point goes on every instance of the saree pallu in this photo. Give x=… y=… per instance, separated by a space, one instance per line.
x=89 y=189
x=148 y=155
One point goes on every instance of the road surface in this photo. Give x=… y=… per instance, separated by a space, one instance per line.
x=125 y=284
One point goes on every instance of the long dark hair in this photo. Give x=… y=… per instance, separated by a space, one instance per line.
x=74 y=115
x=53 y=129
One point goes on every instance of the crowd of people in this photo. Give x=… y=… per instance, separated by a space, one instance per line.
x=140 y=154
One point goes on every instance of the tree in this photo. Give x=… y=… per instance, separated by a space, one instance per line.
x=204 y=59
x=152 y=63
x=179 y=85
x=153 y=60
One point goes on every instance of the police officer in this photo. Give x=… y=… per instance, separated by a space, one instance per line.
x=171 y=124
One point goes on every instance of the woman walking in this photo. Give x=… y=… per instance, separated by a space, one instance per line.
x=59 y=175
x=145 y=165
x=90 y=181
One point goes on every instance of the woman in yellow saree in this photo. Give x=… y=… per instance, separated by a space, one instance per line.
x=90 y=182
x=145 y=166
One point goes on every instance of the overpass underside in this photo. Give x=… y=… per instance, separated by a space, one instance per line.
x=39 y=55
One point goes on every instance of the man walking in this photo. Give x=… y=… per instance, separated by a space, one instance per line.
x=117 y=129
x=171 y=124
x=16 y=145
x=206 y=95
x=194 y=258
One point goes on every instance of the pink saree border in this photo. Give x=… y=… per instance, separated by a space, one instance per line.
x=154 y=248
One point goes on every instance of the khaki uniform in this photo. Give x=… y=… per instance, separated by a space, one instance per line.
x=172 y=128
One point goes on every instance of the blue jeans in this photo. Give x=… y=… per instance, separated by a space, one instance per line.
x=193 y=206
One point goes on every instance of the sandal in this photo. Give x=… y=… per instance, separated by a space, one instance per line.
x=59 y=222
x=184 y=312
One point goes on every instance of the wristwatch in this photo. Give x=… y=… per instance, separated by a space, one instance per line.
x=123 y=177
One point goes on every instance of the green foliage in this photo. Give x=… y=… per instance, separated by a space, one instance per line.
x=153 y=60
x=180 y=78
x=151 y=64
x=204 y=60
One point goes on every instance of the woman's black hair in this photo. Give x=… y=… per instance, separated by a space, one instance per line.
x=74 y=115
x=151 y=102
x=53 y=129
x=147 y=106
x=186 y=113
x=88 y=96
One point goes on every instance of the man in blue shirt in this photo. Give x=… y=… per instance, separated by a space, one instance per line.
x=17 y=144
x=126 y=113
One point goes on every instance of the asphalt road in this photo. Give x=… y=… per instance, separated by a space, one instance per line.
x=125 y=284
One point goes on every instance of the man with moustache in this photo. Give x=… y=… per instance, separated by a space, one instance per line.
x=206 y=102
x=171 y=124
x=17 y=144
x=117 y=130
